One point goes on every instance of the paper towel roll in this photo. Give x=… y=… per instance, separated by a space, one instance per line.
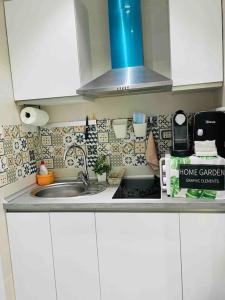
x=34 y=116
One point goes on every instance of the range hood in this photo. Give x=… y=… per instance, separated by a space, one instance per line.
x=128 y=74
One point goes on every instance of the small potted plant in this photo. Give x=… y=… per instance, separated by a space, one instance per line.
x=101 y=168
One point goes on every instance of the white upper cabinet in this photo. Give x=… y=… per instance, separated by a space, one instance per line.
x=31 y=253
x=139 y=256
x=57 y=46
x=196 y=42
x=46 y=46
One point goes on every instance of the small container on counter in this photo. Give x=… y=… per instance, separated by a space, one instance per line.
x=46 y=179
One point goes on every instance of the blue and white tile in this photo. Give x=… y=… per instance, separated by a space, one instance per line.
x=104 y=149
x=3 y=179
x=1 y=132
x=47 y=152
x=68 y=139
x=116 y=160
x=45 y=131
x=27 y=169
x=23 y=144
x=3 y=163
x=46 y=140
x=103 y=137
x=2 y=150
x=18 y=159
x=74 y=162
x=91 y=159
x=49 y=163
x=32 y=155
x=79 y=161
x=164 y=121
x=20 y=173
x=103 y=125
x=92 y=149
x=128 y=160
x=16 y=146
x=140 y=160
x=33 y=168
x=164 y=146
x=70 y=162
x=92 y=138
x=79 y=139
x=59 y=163
x=11 y=175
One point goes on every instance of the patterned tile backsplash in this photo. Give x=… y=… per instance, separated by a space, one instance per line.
x=21 y=149
x=102 y=140
x=19 y=153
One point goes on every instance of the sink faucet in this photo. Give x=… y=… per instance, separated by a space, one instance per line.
x=81 y=175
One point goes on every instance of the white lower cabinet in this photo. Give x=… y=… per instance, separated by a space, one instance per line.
x=122 y=256
x=75 y=256
x=139 y=256
x=31 y=253
x=2 y=288
x=203 y=256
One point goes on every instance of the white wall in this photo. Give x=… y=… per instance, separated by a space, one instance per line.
x=9 y=114
x=8 y=109
x=117 y=107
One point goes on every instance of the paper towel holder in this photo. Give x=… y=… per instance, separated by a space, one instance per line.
x=34 y=106
x=28 y=115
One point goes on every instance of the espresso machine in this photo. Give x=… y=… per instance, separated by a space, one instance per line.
x=181 y=144
x=210 y=126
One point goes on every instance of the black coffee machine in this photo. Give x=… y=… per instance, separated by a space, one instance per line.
x=210 y=125
x=181 y=139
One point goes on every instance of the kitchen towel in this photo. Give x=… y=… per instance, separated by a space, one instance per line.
x=34 y=116
x=151 y=153
x=205 y=148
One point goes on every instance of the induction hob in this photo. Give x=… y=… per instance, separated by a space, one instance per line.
x=146 y=188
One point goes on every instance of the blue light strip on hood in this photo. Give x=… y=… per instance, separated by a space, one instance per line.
x=125 y=27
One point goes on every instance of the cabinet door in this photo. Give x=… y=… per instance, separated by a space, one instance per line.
x=196 y=41
x=203 y=256
x=75 y=256
x=139 y=256
x=43 y=48
x=31 y=252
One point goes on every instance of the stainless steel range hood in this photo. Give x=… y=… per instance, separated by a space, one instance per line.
x=128 y=74
x=126 y=81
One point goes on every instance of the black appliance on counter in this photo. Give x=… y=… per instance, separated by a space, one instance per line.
x=148 y=188
x=181 y=144
x=210 y=126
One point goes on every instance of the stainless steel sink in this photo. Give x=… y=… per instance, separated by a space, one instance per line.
x=68 y=190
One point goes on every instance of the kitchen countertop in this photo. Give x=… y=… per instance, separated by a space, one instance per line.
x=23 y=201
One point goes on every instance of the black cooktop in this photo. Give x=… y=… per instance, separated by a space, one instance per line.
x=139 y=188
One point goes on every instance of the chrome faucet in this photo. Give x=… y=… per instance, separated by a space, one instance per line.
x=81 y=175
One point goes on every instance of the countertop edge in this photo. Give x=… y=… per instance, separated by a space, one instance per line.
x=23 y=202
